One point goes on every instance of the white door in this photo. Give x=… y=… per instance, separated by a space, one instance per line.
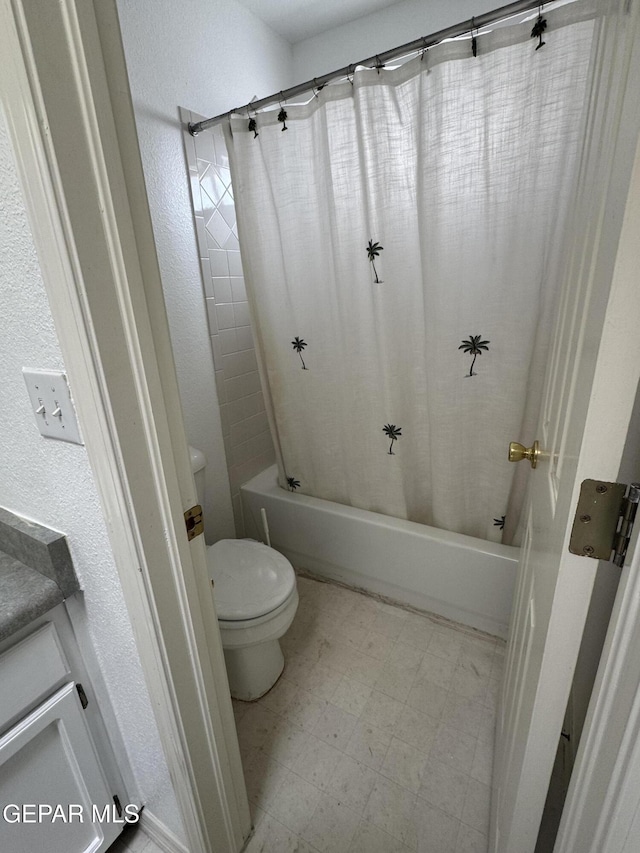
x=591 y=385
x=48 y=761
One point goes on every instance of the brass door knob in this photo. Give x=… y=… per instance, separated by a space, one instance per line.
x=518 y=451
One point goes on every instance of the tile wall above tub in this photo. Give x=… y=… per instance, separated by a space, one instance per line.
x=247 y=440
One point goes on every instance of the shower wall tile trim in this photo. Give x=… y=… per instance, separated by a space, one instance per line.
x=247 y=440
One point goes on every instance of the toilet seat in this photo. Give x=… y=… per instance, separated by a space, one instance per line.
x=263 y=629
x=240 y=624
x=251 y=580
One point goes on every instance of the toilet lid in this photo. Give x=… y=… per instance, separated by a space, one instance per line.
x=250 y=578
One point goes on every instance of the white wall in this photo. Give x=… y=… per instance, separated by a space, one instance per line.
x=207 y=56
x=51 y=482
x=380 y=31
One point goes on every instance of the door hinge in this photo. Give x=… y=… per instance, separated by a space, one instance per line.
x=194 y=522
x=604 y=520
x=83 y=696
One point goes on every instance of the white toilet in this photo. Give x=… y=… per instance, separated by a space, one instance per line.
x=256 y=599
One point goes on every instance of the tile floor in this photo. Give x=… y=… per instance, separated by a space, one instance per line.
x=378 y=737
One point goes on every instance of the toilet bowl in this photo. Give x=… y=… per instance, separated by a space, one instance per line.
x=256 y=600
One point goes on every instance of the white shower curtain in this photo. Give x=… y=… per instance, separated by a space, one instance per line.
x=401 y=244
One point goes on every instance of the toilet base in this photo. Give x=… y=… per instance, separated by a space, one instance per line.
x=253 y=670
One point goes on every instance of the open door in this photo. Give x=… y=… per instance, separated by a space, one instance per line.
x=582 y=430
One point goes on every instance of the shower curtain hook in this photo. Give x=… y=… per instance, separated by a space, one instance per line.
x=424 y=48
x=282 y=115
x=474 y=41
x=539 y=27
x=253 y=122
x=379 y=65
x=351 y=71
x=317 y=88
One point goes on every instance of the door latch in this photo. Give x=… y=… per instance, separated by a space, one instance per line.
x=194 y=522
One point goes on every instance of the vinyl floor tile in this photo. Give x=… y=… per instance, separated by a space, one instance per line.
x=379 y=736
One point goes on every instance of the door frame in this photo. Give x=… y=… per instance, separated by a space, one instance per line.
x=71 y=122
x=603 y=799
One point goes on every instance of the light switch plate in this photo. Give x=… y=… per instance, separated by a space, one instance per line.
x=52 y=407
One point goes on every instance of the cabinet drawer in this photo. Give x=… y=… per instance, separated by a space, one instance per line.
x=30 y=671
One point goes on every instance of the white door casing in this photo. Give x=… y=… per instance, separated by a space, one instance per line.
x=583 y=428
x=84 y=192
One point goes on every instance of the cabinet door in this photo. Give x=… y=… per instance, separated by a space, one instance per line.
x=48 y=759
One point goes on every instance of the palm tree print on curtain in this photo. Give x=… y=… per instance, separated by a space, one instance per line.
x=474 y=346
x=373 y=251
x=298 y=344
x=499 y=522
x=538 y=29
x=293 y=484
x=392 y=431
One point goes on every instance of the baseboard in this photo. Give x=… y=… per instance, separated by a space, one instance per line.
x=160 y=834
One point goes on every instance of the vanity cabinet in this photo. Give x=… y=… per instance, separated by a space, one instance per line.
x=56 y=764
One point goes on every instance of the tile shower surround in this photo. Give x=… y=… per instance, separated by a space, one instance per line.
x=245 y=428
x=378 y=737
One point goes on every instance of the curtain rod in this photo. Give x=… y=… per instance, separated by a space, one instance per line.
x=378 y=60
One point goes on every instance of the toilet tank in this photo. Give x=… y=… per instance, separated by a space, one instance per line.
x=198 y=463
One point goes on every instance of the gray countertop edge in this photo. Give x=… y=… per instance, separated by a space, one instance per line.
x=36 y=571
x=25 y=594
x=39 y=548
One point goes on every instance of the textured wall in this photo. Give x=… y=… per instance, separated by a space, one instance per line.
x=51 y=482
x=209 y=57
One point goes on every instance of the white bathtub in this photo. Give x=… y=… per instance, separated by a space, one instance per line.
x=461 y=578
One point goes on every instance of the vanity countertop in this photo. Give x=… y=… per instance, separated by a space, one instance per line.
x=25 y=594
x=36 y=571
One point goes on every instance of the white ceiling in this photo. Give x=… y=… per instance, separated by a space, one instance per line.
x=299 y=19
